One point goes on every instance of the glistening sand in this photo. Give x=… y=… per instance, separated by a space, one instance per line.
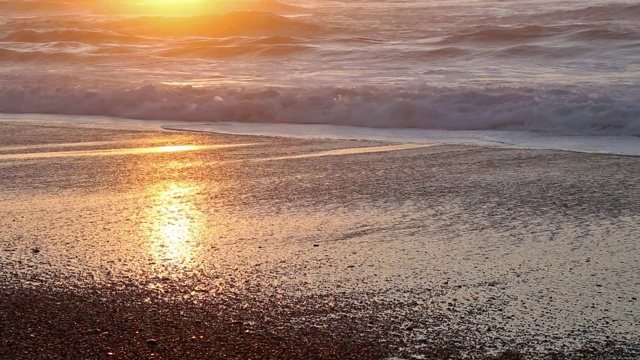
x=420 y=252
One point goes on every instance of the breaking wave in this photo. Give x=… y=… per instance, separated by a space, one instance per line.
x=558 y=67
x=565 y=111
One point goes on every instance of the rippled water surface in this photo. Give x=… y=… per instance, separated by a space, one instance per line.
x=552 y=66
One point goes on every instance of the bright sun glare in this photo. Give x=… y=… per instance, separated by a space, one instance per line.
x=193 y=7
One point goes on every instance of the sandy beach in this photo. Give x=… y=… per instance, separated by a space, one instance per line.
x=130 y=243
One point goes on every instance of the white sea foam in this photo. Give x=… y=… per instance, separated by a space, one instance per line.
x=562 y=68
x=576 y=111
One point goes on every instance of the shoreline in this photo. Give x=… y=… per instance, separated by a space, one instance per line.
x=620 y=145
x=430 y=252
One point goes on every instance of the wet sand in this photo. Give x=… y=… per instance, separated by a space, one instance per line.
x=130 y=243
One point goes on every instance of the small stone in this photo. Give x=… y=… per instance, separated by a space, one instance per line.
x=152 y=342
x=93 y=331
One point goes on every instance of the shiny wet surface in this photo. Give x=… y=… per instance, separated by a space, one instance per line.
x=488 y=249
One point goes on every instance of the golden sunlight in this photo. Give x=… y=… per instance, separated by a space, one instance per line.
x=112 y=152
x=180 y=7
x=177 y=148
x=174 y=224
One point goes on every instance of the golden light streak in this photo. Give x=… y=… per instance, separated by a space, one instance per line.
x=174 y=225
x=177 y=148
x=348 y=151
x=178 y=7
x=126 y=151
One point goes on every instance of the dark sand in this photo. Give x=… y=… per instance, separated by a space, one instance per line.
x=117 y=248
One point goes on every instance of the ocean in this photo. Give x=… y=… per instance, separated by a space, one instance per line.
x=549 y=67
x=130 y=241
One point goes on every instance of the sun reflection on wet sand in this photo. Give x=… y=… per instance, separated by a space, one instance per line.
x=174 y=226
x=177 y=148
x=111 y=152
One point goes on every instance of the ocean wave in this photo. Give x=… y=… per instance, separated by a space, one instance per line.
x=560 y=110
x=213 y=52
x=360 y=40
x=501 y=34
x=606 y=34
x=275 y=40
x=274 y=6
x=603 y=12
x=230 y=24
x=34 y=6
x=549 y=52
x=444 y=53
x=76 y=35
x=8 y=55
x=133 y=7
x=532 y=33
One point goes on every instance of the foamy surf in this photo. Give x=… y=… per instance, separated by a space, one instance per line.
x=615 y=145
x=572 y=110
x=555 y=67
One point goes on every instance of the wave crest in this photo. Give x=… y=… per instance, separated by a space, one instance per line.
x=532 y=33
x=604 y=12
x=568 y=111
x=225 y=51
x=501 y=34
x=38 y=56
x=231 y=24
x=76 y=35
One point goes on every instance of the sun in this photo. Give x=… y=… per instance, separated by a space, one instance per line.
x=179 y=7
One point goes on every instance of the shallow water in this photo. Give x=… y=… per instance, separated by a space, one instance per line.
x=553 y=66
